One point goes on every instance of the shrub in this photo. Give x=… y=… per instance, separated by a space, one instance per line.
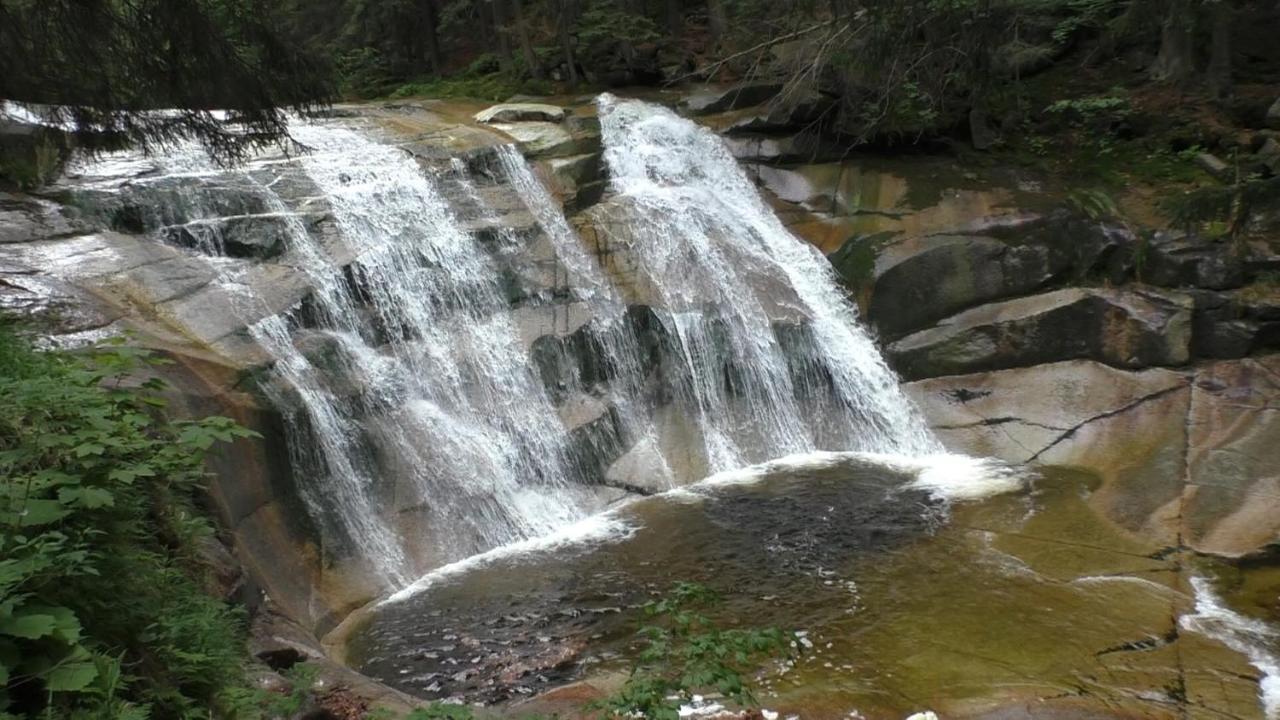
x=101 y=608
x=687 y=653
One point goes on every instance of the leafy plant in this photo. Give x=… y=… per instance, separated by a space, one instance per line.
x=1094 y=203
x=686 y=653
x=101 y=608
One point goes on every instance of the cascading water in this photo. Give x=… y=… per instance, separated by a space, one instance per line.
x=422 y=428
x=773 y=360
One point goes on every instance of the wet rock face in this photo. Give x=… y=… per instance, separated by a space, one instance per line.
x=1119 y=328
x=1182 y=454
x=919 y=281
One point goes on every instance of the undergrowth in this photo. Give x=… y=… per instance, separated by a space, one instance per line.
x=102 y=607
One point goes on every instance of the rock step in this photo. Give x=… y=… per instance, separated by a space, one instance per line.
x=1128 y=329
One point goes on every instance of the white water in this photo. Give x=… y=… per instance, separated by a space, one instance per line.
x=420 y=430
x=726 y=272
x=1256 y=640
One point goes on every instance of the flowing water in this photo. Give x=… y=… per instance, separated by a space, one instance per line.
x=421 y=423
x=445 y=331
x=731 y=281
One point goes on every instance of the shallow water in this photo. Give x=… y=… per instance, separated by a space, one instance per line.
x=909 y=604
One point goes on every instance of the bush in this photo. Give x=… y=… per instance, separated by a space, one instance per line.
x=101 y=608
x=686 y=653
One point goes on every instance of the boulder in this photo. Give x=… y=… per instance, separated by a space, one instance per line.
x=1234 y=324
x=1188 y=261
x=801 y=148
x=25 y=218
x=521 y=112
x=1269 y=156
x=712 y=99
x=1213 y=165
x=244 y=236
x=577 y=179
x=918 y=281
x=547 y=139
x=1127 y=427
x=1119 y=328
x=1273 y=115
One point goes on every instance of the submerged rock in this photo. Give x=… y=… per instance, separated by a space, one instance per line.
x=1119 y=328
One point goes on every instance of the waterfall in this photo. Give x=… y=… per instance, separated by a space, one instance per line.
x=772 y=358
x=423 y=425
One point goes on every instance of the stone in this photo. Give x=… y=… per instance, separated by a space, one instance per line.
x=1232 y=501
x=577 y=179
x=1127 y=427
x=801 y=148
x=1273 y=115
x=1213 y=165
x=1269 y=155
x=521 y=112
x=980 y=132
x=25 y=218
x=1188 y=261
x=1119 y=328
x=242 y=236
x=792 y=113
x=1220 y=327
x=546 y=139
x=712 y=99
x=918 y=281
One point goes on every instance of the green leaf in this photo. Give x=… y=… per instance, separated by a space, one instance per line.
x=88 y=497
x=71 y=676
x=29 y=627
x=36 y=512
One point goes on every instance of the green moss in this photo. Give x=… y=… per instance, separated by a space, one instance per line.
x=855 y=261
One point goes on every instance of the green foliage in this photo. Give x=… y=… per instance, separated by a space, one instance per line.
x=686 y=653
x=1229 y=204
x=150 y=72
x=1089 y=110
x=29 y=162
x=1080 y=15
x=1094 y=203
x=101 y=607
x=363 y=73
x=441 y=711
x=607 y=29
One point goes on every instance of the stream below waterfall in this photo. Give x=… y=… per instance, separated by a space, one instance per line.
x=905 y=602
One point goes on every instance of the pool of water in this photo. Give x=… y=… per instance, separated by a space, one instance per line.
x=907 y=602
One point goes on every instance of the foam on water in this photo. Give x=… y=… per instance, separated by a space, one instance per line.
x=1254 y=639
x=945 y=476
x=600 y=528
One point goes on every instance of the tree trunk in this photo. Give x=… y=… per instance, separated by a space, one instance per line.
x=1176 y=62
x=565 y=18
x=717 y=22
x=674 y=12
x=431 y=21
x=526 y=46
x=500 y=29
x=1220 y=48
